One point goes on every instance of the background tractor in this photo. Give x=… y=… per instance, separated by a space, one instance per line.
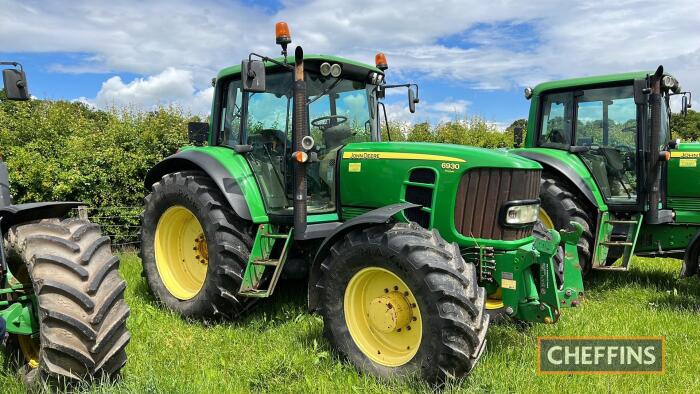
x=62 y=310
x=406 y=245
x=611 y=165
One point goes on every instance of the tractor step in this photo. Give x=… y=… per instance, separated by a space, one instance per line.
x=254 y=293
x=610 y=268
x=622 y=221
x=263 y=271
x=614 y=243
x=267 y=262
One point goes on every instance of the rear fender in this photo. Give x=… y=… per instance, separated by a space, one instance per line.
x=234 y=179
x=12 y=215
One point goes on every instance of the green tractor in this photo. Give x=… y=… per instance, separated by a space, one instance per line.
x=407 y=246
x=610 y=165
x=62 y=310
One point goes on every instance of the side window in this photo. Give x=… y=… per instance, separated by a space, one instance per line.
x=555 y=130
x=231 y=114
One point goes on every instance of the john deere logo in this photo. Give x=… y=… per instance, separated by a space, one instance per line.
x=601 y=355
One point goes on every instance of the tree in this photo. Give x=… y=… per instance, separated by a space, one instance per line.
x=686 y=127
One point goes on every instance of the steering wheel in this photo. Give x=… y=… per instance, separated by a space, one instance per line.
x=324 y=122
x=624 y=148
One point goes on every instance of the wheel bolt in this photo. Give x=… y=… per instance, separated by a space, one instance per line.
x=413 y=305
x=408 y=328
x=415 y=318
x=398 y=330
x=386 y=290
x=396 y=288
x=405 y=294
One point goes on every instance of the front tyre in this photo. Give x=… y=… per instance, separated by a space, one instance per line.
x=397 y=300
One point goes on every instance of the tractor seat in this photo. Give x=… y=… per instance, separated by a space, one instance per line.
x=335 y=136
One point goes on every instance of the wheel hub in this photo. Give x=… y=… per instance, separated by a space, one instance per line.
x=390 y=312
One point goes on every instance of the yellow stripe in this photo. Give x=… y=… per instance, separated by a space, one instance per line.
x=398 y=156
x=688 y=155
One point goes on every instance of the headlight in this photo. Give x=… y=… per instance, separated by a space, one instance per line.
x=520 y=213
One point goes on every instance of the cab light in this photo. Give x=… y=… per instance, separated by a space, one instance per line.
x=380 y=61
x=282 y=33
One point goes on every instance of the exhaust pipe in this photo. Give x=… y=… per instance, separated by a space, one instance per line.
x=655 y=215
x=299 y=129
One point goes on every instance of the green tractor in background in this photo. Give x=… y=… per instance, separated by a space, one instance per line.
x=407 y=246
x=62 y=310
x=610 y=165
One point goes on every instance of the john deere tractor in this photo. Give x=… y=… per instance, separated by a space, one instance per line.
x=610 y=164
x=62 y=310
x=407 y=246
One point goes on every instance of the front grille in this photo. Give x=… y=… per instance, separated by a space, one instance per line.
x=481 y=194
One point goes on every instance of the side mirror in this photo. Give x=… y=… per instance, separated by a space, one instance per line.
x=15 y=84
x=517 y=136
x=686 y=103
x=198 y=132
x=412 y=100
x=253 y=76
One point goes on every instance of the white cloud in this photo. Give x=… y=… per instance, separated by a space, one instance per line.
x=437 y=112
x=172 y=86
x=485 y=45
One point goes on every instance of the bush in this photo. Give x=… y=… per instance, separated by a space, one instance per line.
x=62 y=151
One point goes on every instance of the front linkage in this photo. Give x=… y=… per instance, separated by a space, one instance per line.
x=531 y=289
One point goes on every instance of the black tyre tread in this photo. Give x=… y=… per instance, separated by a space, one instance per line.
x=449 y=282
x=66 y=261
x=570 y=207
x=228 y=255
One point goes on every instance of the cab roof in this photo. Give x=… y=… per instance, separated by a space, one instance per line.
x=235 y=70
x=585 y=81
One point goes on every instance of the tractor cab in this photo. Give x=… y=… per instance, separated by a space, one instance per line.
x=341 y=104
x=607 y=125
x=610 y=163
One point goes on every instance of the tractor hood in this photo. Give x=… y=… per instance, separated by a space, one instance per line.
x=455 y=186
x=465 y=156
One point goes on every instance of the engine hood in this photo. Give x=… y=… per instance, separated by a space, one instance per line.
x=466 y=156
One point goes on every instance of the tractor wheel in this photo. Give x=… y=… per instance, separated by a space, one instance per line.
x=194 y=248
x=397 y=300
x=560 y=205
x=80 y=297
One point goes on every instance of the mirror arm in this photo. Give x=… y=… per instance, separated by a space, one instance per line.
x=267 y=59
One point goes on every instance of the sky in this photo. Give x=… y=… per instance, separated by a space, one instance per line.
x=469 y=57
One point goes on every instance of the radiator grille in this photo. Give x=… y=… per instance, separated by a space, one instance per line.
x=481 y=194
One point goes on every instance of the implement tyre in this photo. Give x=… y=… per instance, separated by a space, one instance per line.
x=80 y=296
x=194 y=248
x=397 y=300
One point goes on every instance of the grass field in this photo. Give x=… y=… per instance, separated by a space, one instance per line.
x=279 y=347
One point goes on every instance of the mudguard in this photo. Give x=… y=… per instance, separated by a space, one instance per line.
x=11 y=215
x=195 y=160
x=564 y=170
x=377 y=216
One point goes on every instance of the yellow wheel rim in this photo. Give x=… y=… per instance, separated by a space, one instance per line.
x=495 y=300
x=28 y=345
x=383 y=316
x=30 y=350
x=181 y=252
x=545 y=219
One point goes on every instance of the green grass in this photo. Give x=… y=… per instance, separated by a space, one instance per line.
x=279 y=347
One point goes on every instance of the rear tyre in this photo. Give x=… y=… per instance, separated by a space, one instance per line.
x=80 y=296
x=193 y=247
x=560 y=205
x=397 y=300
